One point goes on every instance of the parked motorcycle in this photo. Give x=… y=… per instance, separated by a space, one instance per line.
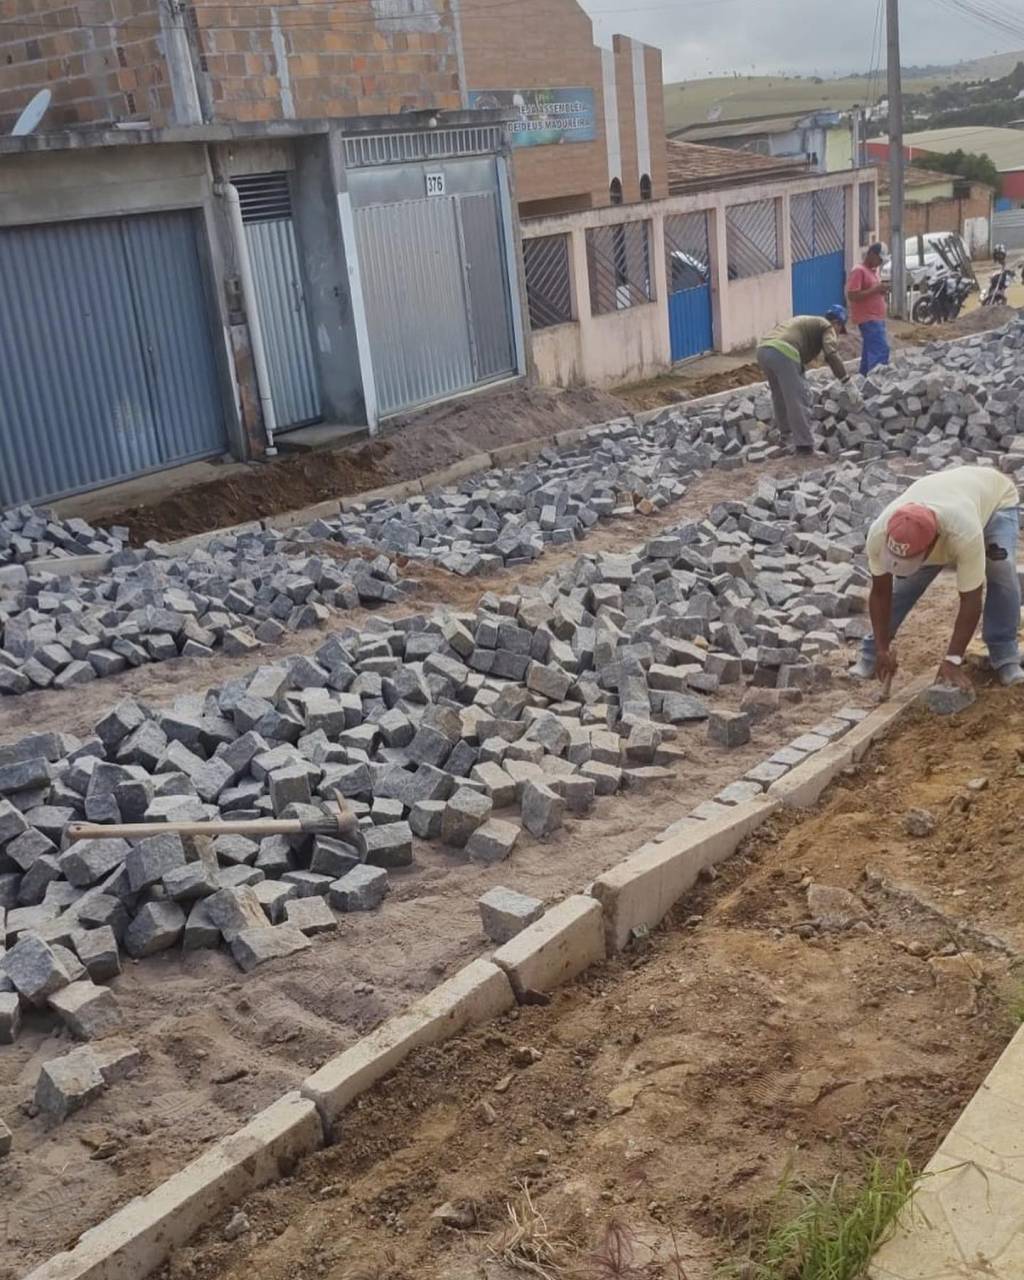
x=943 y=298
x=996 y=295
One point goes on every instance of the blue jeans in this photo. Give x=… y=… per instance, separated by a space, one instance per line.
x=874 y=345
x=1001 y=619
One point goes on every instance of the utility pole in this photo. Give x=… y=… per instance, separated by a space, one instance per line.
x=896 y=163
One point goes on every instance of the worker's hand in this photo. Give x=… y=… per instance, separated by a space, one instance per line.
x=886 y=664
x=949 y=673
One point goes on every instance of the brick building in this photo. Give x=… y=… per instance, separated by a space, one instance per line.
x=941 y=202
x=106 y=60
x=540 y=53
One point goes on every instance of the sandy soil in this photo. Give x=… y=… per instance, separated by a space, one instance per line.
x=673 y=1089
x=412 y=446
x=218 y=1045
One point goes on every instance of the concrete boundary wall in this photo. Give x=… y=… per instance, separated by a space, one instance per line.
x=635 y=343
x=571 y=937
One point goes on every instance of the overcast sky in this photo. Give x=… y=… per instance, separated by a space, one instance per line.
x=702 y=37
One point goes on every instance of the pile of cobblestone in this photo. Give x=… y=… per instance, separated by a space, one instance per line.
x=33 y=533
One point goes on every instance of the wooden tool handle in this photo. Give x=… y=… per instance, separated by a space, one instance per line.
x=255 y=827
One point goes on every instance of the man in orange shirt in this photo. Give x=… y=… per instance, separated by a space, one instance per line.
x=868 y=310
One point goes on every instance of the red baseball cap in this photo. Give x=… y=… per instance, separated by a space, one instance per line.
x=909 y=535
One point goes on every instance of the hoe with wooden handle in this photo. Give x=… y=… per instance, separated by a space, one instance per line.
x=343 y=825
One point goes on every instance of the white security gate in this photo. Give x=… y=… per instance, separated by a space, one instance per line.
x=270 y=235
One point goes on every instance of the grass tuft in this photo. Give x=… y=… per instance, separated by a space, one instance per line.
x=829 y=1234
x=528 y=1244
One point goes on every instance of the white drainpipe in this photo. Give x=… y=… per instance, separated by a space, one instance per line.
x=252 y=312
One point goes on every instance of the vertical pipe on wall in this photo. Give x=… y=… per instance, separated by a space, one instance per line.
x=252 y=312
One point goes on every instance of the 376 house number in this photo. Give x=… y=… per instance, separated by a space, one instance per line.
x=435 y=184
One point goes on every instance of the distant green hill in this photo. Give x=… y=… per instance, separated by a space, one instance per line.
x=689 y=102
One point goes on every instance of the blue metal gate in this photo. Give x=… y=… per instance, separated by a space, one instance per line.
x=108 y=367
x=818 y=228
x=688 y=267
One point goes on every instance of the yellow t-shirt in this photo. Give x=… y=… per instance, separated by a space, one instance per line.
x=964 y=500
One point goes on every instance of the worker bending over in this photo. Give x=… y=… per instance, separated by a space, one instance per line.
x=968 y=518
x=784 y=356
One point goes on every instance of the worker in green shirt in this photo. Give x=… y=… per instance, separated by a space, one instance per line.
x=784 y=356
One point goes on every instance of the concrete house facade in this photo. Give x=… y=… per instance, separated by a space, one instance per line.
x=237 y=220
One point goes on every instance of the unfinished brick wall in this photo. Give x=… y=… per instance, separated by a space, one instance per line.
x=102 y=60
x=938 y=215
x=549 y=44
x=309 y=59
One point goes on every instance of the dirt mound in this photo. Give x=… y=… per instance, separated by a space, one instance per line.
x=668 y=1093
x=411 y=447
x=980 y=320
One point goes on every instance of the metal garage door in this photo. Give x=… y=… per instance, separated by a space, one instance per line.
x=436 y=294
x=108 y=367
x=818 y=222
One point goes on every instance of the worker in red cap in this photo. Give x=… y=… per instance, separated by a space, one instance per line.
x=967 y=518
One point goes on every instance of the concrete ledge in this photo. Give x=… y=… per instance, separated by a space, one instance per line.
x=138 y=1239
x=881 y=720
x=403 y=489
x=68 y=566
x=801 y=788
x=557 y=948
x=184 y=545
x=966 y=1216
x=328 y=510
x=476 y=994
x=458 y=471
x=643 y=889
x=507 y=455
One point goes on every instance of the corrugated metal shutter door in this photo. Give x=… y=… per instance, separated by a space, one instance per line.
x=415 y=308
x=491 y=324
x=107 y=368
x=1008 y=228
x=273 y=249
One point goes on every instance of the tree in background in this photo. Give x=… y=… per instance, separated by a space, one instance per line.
x=962 y=164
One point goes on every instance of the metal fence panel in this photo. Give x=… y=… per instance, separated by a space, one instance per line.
x=548 y=281
x=752 y=239
x=618 y=266
x=817 y=221
x=107 y=368
x=830 y=221
x=490 y=320
x=801 y=226
x=687 y=251
x=415 y=305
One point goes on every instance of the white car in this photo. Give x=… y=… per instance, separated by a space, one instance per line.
x=923 y=257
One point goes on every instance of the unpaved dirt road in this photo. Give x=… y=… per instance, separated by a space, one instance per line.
x=673 y=1089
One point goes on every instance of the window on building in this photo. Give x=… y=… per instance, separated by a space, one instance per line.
x=615 y=191
x=619 y=267
x=866 y=197
x=752 y=239
x=548 y=281
x=646 y=188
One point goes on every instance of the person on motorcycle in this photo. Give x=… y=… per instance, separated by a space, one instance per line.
x=868 y=298
x=785 y=353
